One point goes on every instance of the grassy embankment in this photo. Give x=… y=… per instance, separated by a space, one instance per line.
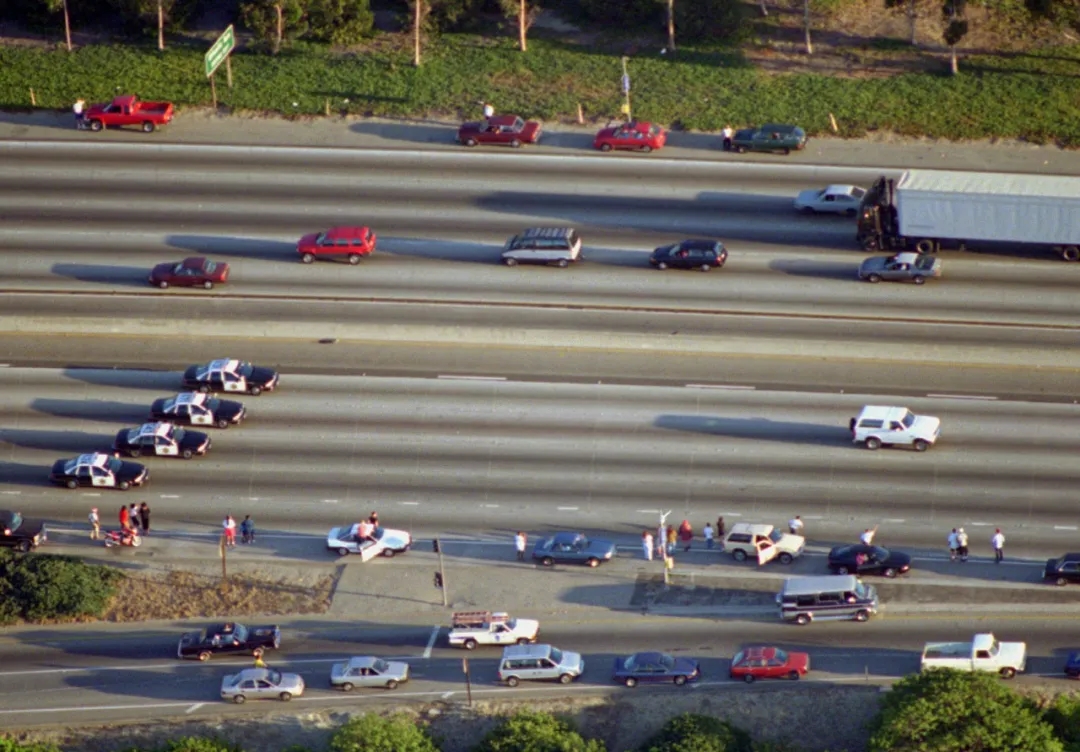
x=1034 y=96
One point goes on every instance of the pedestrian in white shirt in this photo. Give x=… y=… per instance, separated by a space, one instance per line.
x=95 y=524
x=709 y=535
x=647 y=545
x=867 y=538
x=228 y=526
x=997 y=540
x=79 y=108
x=962 y=544
x=954 y=544
x=728 y=133
x=795 y=525
x=519 y=545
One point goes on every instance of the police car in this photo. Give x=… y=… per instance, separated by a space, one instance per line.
x=197 y=409
x=227 y=375
x=162 y=439
x=100 y=471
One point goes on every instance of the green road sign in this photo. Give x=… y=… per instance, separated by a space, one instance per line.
x=221 y=49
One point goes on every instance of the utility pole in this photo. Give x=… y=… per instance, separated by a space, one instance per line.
x=626 y=88
x=468 y=679
x=440 y=578
x=668 y=561
x=221 y=548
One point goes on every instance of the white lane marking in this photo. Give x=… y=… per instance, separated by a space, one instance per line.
x=193 y=708
x=329 y=501
x=409 y=503
x=5 y=365
x=91 y=494
x=168 y=496
x=446 y=695
x=648 y=511
x=431 y=641
x=894 y=519
x=981 y=524
x=491 y=506
x=451 y=377
x=100 y=708
x=732 y=387
x=12 y=493
x=254 y=498
x=568 y=509
x=805 y=516
x=1065 y=527
x=964 y=397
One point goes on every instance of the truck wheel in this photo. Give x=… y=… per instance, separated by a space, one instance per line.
x=841 y=570
x=786 y=558
x=920 y=445
x=469 y=644
x=23 y=546
x=208 y=285
x=1070 y=253
x=873 y=442
x=862 y=615
x=148 y=127
x=875 y=278
x=803 y=619
x=163 y=284
x=926 y=245
x=1007 y=673
x=96 y=125
x=918 y=279
x=871 y=244
x=738 y=555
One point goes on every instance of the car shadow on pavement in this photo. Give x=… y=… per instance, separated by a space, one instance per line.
x=845 y=660
x=197 y=683
x=415 y=132
x=816 y=269
x=39 y=119
x=72 y=442
x=18 y=474
x=106 y=274
x=126 y=378
x=761 y=429
x=440 y=250
x=224 y=245
x=102 y=411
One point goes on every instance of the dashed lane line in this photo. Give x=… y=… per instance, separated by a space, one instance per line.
x=431 y=641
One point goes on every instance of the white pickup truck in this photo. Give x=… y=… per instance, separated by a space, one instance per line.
x=983 y=653
x=472 y=628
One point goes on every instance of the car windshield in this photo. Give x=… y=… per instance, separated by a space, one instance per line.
x=178 y=434
x=775 y=535
x=860 y=589
x=274 y=677
x=380 y=665
x=667 y=662
x=858 y=192
x=210 y=267
x=879 y=553
x=925 y=262
x=781 y=655
x=114 y=464
x=16 y=520
x=908 y=420
x=214 y=404
x=556 y=655
x=244 y=369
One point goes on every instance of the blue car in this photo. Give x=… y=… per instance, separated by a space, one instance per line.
x=655 y=667
x=572 y=548
x=1072 y=665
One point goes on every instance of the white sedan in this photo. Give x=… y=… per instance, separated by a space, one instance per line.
x=837 y=199
x=346 y=540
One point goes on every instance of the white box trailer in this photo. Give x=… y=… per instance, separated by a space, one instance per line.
x=931 y=209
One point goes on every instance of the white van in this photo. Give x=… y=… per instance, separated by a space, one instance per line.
x=877 y=426
x=539 y=662
x=835 y=597
x=543 y=245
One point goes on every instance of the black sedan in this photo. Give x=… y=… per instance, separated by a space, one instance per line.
x=229 y=375
x=655 y=667
x=690 y=254
x=572 y=548
x=1062 y=571
x=229 y=638
x=197 y=409
x=21 y=533
x=862 y=559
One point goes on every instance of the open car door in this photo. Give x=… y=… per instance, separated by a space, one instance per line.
x=369 y=550
x=766 y=551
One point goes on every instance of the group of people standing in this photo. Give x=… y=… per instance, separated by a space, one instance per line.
x=958 y=545
x=663 y=544
x=247 y=530
x=134 y=518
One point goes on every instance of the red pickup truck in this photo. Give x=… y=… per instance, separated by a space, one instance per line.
x=129 y=110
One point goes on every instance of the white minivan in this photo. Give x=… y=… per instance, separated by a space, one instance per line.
x=877 y=426
x=543 y=245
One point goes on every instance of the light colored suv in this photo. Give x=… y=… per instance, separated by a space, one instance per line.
x=539 y=662
x=877 y=426
x=762 y=543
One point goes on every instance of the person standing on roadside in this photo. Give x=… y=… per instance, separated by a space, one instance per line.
x=795 y=525
x=247 y=530
x=962 y=544
x=228 y=526
x=997 y=540
x=720 y=529
x=647 y=544
x=144 y=517
x=125 y=519
x=728 y=133
x=520 y=540
x=954 y=543
x=133 y=517
x=708 y=534
x=686 y=534
x=79 y=108
x=95 y=524
x=670 y=538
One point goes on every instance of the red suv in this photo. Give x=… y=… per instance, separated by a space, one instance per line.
x=351 y=242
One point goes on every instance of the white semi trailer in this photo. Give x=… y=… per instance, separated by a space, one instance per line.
x=927 y=210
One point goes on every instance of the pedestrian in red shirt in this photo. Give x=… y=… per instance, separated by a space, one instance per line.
x=686 y=534
x=125 y=518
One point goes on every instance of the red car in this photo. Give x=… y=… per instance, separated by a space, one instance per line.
x=753 y=663
x=353 y=243
x=197 y=271
x=501 y=129
x=129 y=110
x=634 y=136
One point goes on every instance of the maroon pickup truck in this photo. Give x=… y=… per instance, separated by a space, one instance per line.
x=129 y=110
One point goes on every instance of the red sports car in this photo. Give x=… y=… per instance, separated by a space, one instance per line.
x=633 y=135
x=197 y=271
x=508 y=130
x=753 y=663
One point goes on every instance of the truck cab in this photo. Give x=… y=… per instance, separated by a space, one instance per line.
x=472 y=628
x=983 y=653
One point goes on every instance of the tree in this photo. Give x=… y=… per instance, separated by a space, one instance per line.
x=273 y=20
x=671 y=25
x=691 y=732
x=912 y=15
x=952 y=711
x=956 y=28
x=526 y=14
x=529 y=731
x=806 y=27
x=57 y=5
x=339 y=21
x=420 y=11
x=373 y=733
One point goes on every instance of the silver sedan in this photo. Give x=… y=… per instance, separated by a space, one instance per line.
x=835 y=199
x=368 y=671
x=261 y=684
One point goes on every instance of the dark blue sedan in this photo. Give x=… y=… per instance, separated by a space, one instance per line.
x=1072 y=666
x=572 y=548
x=655 y=667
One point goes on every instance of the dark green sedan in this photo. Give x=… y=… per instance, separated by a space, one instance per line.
x=771 y=137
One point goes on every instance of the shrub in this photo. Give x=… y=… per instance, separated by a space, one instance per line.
x=691 y=732
x=53 y=587
x=10 y=745
x=339 y=21
x=716 y=19
x=1063 y=715
x=373 y=733
x=528 y=731
x=200 y=744
x=623 y=13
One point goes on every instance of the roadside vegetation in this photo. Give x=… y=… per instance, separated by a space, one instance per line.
x=43 y=587
x=1019 y=65
x=937 y=711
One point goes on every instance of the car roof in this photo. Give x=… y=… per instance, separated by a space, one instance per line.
x=97 y=458
x=637 y=125
x=566 y=537
x=839 y=190
x=155 y=429
x=347 y=232
x=647 y=656
x=751 y=527
x=779 y=128
x=759 y=651
x=701 y=244
x=882 y=412
x=253 y=673
x=906 y=258
x=527 y=651
x=194 y=262
x=190 y=398
x=502 y=119
x=546 y=232
x=1071 y=557
x=362 y=661
x=825 y=583
x=222 y=364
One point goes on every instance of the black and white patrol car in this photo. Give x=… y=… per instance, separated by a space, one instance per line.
x=197 y=409
x=227 y=375
x=161 y=439
x=100 y=471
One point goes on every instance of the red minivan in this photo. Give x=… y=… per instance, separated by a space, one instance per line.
x=351 y=242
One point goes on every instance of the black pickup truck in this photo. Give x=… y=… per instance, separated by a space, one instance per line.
x=230 y=639
x=771 y=137
x=21 y=533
